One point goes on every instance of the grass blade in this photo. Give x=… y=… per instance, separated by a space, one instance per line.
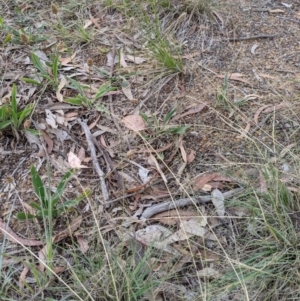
x=39 y=65
x=169 y=115
x=4 y=124
x=14 y=104
x=61 y=186
x=38 y=185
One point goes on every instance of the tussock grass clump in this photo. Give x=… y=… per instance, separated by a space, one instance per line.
x=269 y=262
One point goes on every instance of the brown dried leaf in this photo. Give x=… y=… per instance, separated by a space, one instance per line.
x=200 y=181
x=183 y=152
x=22 y=278
x=122 y=59
x=62 y=83
x=87 y=23
x=276 y=11
x=191 y=156
x=244 y=131
x=68 y=232
x=236 y=77
x=93 y=124
x=13 y=237
x=264 y=75
x=276 y=107
x=102 y=140
x=42 y=256
x=81 y=154
x=217 y=199
x=152 y=161
x=135 y=59
x=110 y=59
x=74 y=161
x=286 y=150
x=191 y=111
x=94 y=20
x=67 y=60
x=49 y=142
x=51 y=119
x=154 y=235
x=256 y=115
x=207 y=187
x=71 y=116
x=188 y=228
x=219 y=17
x=172 y=217
x=263 y=183
x=127 y=91
x=83 y=244
x=208 y=273
x=159 y=150
x=58 y=270
x=134 y=123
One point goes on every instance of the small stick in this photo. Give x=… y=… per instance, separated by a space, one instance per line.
x=260 y=36
x=112 y=113
x=260 y=124
x=109 y=162
x=98 y=169
x=184 y=202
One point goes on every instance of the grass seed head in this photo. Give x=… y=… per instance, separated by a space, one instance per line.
x=24 y=38
x=131 y=22
x=54 y=9
x=27 y=124
x=90 y=62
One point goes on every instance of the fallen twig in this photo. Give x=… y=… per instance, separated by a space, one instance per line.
x=260 y=36
x=109 y=162
x=184 y=202
x=112 y=113
x=96 y=165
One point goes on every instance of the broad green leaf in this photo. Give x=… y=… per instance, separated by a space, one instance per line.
x=101 y=108
x=156 y=122
x=35 y=205
x=5 y=112
x=14 y=117
x=61 y=186
x=1 y=22
x=4 y=124
x=22 y=216
x=103 y=72
x=77 y=100
x=169 y=115
x=38 y=64
x=179 y=130
x=7 y=39
x=77 y=86
x=33 y=132
x=44 y=213
x=55 y=67
x=73 y=203
x=14 y=104
x=104 y=89
x=38 y=185
x=146 y=118
x=26 y=111
x=31 y=81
